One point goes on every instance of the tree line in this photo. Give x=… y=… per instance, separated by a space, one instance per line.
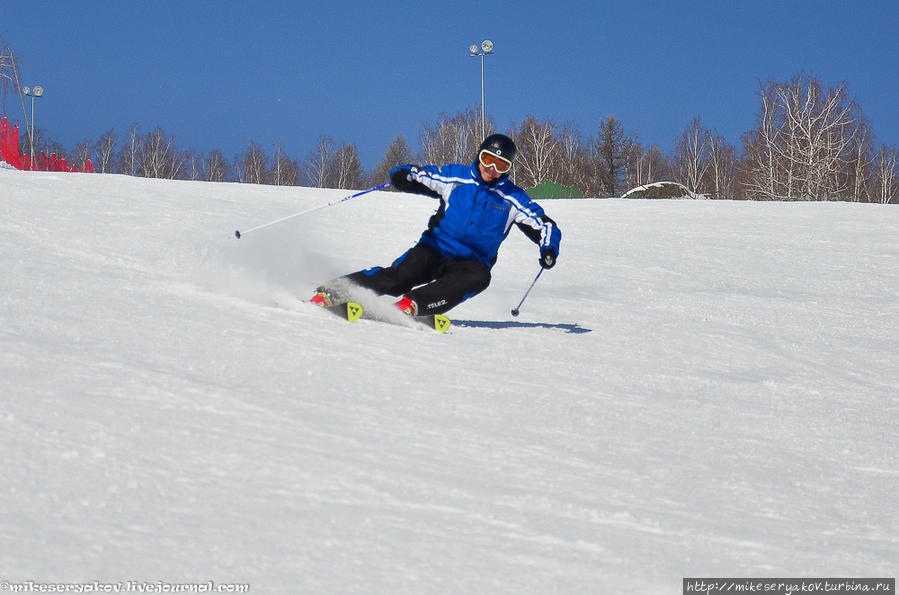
x=810 y=142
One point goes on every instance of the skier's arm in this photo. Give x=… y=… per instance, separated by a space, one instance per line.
x=540 y=229
x=403 y=179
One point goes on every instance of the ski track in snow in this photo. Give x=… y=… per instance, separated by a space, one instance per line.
x=699 y=388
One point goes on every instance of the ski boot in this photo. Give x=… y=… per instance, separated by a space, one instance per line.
x=407 y=305
x=322 y=298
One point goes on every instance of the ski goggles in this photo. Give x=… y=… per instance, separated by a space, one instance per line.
x=500 y=164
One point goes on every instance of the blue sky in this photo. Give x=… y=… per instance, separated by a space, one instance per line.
x=218 y=75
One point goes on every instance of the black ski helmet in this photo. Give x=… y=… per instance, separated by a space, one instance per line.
x=500 y=145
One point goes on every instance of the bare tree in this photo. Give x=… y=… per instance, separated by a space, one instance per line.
x=104 y=152
x=573 y=167
x=643 y=168
x=657 y=165
x=214 y=167
x=887 y=176
x=50 y=146
x=285 y=171
x=691 y=158
x=129 y=155
x=760 y=173
x=825 y=125
x=159 y=157
x=860 y=164
x=722 y=171
x=398 y=153
x=633 y=166
x=345 y=170
x=802 y=145
x=315 y=167
x=253 y=164
x=192 y=166
x=82 y=154
x=538 y=152
x=453 y=139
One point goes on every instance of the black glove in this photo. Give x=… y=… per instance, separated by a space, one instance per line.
x=548 y=258
x=401 y=178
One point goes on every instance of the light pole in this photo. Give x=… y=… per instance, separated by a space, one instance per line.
x=485 y=49
x=34 y=94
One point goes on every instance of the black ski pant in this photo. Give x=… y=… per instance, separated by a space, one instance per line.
x=435 y=282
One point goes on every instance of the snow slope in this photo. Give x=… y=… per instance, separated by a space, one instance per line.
x=698 y=389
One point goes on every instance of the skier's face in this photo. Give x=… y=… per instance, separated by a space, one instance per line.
x=488 y=174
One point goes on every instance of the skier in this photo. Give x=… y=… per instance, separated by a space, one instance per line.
x=452 y=260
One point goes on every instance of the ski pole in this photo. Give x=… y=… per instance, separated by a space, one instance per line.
x=238 y=234
x=534 y=282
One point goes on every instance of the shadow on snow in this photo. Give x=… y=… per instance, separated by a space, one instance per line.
x=506 y=324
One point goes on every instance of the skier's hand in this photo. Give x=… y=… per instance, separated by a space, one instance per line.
x=402 y=180
x=401 y=177
x=548 y=258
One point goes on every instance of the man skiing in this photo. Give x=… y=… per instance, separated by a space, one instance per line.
x=452 y=260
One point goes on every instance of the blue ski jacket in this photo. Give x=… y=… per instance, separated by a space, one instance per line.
x=475 y=217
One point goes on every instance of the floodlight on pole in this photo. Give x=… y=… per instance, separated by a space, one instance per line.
x=34 y=93
x=483 y=51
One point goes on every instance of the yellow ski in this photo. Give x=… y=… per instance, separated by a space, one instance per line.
x=353 y=311
x=349 y=310
x=441 y=323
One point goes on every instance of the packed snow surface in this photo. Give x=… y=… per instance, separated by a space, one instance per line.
x=698 y=388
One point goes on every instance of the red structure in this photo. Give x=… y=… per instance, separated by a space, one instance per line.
x=9 y=152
